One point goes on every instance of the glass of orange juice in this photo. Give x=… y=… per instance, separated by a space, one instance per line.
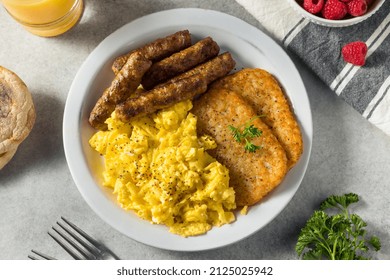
x=45 y=17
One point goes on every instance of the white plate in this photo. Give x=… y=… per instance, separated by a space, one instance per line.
x=251 y=48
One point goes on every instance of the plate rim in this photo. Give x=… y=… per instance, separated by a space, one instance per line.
x=72 y=122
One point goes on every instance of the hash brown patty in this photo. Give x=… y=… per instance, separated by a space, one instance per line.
x=262 y=91
x=252 y=175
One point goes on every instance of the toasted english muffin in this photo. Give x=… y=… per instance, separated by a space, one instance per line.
x=252 y=175
x=17 y=113
x=261 y=90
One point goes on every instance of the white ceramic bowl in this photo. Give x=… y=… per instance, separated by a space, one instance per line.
x=336 y=23
x=251 y=48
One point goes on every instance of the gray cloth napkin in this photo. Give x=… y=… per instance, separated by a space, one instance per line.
x=365 y=88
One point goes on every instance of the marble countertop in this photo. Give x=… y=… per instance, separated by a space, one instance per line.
x=36 y=187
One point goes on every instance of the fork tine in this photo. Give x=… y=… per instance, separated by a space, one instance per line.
x=42 y=255
x=65 y=247
x=88 y=253
x=47 y=257
x=79 y=244
x=97 y=249
x=81 y=232
x=92 y=250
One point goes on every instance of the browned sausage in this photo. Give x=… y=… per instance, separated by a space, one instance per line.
x=158 y=49
x=211 y=70
x=180 y=62
x=124 y=84
x=161 y=97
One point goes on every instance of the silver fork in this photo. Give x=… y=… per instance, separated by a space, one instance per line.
x=78 y=244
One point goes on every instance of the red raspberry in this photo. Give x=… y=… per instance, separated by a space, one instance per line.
x=355 y=53
x=334 y=9
x=357 y=7
x=345 y=1
x=313 y=6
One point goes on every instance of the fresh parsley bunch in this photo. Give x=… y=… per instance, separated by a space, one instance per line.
x=335 y=237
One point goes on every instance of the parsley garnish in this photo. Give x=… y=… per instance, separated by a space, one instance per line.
x=247 y=134
x=335 y=237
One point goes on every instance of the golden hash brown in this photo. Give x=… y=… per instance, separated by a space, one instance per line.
x=261 y=90
x=252 y=175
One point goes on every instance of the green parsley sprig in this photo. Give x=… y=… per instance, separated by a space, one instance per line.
x=335 y=237
x=247 y=134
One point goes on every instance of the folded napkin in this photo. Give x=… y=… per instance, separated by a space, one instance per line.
x=366 y=88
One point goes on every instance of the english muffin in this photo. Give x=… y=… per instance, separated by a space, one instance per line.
x=17 y=113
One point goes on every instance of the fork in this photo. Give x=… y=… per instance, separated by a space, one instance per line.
x=77 y=243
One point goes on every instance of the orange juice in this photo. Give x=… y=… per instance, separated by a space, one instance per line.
x=45 y=17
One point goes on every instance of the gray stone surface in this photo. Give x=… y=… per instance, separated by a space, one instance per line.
x=36 y=188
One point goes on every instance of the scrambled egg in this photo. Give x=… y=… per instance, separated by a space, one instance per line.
x=159 y=168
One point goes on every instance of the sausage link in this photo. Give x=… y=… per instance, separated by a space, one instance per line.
x=180 y=62
x=211 y=70
x=124 y=84
x=158 y=49
x=161 y=97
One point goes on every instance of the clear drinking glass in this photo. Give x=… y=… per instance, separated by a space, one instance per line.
x=45 y=17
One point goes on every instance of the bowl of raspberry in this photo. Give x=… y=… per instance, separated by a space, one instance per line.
x=336 y=13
